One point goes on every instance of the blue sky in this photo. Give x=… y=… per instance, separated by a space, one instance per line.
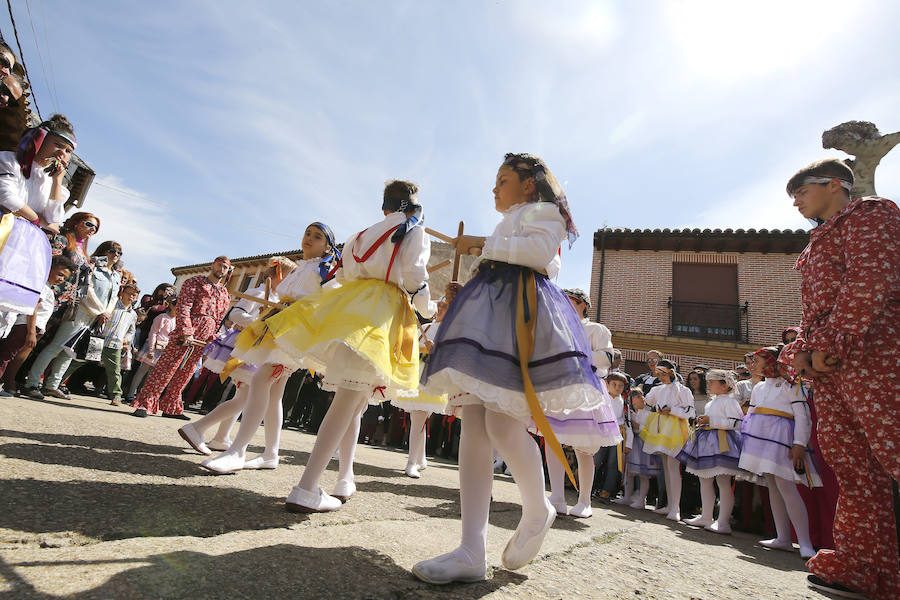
x=230 y=126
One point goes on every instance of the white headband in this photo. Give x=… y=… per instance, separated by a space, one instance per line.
x=811 y=179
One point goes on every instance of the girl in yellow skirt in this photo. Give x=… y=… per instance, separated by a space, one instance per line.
x=363 y=336
x=421 y=406
x=255 y=345
x=667 y=430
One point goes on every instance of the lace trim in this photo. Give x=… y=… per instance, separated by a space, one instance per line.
x=464 y=389
x=714 y=471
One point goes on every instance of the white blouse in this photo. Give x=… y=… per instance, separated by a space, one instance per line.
x=777 y=394
x=409 y=270
x=16 y=191
x=724 y=412
x=530 y=235
x=618 y=406
x=600 y=339
x=674 y=396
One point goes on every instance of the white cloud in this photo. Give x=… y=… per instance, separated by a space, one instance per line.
x=154 y=239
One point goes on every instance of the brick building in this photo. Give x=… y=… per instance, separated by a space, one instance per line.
x=700 y=297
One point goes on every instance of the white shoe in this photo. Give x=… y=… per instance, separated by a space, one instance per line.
x=581 y=511
x=663 y=510
x=299 y=500
x=715 y=528
x=521 y=549
x=261 y=462
x=560 y=507
x=219 y=445
x=807 y=552
x=698 y=521
x=343 y=489
x=776 y=544
x=412 y=471
x=190 y=434
x=639 y=503
x=624 y=501
x=224 y=464
x=448 y=568
x=674 y=516
x=423 y=465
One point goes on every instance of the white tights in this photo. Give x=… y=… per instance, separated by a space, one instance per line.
x=481 y=430
x=708 y=499
x=672 y=470
x=788 y=509
x=417 y=436
x=264 y=400
x=339 y=430
x=557 y=477
x=225 y=414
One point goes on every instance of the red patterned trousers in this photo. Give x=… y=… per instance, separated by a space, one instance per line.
x=166 y=372
x=859 y=412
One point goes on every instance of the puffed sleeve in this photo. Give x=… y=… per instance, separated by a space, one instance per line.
x=601 y=347
x=651 y=397
x=12 y=197
x=414 y=254
x=246 y=311
x=685 y=404
x=802 y=420
x=542 y=231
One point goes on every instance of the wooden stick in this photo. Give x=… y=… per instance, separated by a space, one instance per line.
x=439 y=235
x=259 y=300
x=455 y=277
x=438 y=266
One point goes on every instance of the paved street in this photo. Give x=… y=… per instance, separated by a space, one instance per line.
x=97 y=504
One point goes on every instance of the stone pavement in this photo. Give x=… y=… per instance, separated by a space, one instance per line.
x=97 y=504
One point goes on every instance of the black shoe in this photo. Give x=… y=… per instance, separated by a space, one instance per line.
x=139 y=413
x=836 y=589
x=33 y=393
x=182 y=416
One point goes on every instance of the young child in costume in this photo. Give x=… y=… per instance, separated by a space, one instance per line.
x=849 y=338
x=422 y=406
x=362 y=336
x=774 y=438
x=610 y=460
x=639 y=464
x=666 y=430
x=715 y=451
x=510 y=350
x=588 y=432
x=157 y=340
x=218 y=360
x=256 y=346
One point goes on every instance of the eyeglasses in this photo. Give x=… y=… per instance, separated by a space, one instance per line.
x=90 y=225
x=116 y=252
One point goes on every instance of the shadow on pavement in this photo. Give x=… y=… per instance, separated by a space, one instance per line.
x=279 y=571
x=112 y=511
x=504 y=515
x=99 y=442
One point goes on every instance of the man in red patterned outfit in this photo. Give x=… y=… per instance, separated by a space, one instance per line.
x=849 y=345
x=202 y=303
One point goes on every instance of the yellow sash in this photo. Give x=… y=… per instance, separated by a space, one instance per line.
x=761 y=410
x=6 y=225
x=525 y=328
x=229 y=368
x=620 y=450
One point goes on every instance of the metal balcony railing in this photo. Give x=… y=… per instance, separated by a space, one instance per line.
x=707 y=321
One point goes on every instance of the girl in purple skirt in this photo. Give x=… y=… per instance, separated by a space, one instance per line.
x=640 y=464
x=774 y=438
x=510 y=350
x=715 y=450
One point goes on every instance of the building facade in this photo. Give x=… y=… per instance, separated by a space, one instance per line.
x=699 y=297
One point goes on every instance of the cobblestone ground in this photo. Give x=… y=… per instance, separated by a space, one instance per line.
x=97 y=504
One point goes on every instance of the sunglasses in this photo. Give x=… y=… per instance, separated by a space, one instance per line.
x=115 y=252
x=90 y=225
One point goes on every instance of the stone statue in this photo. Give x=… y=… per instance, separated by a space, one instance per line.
x=868 y=147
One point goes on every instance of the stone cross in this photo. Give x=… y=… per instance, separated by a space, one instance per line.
x=868 y=147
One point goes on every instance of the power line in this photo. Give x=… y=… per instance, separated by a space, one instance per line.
x=49 y=55
x=53 y=98
x=203 y=214
x=12 y=20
